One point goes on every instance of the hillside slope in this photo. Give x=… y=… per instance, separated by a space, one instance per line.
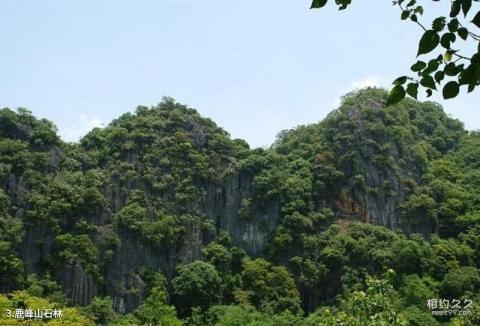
x=158 y=188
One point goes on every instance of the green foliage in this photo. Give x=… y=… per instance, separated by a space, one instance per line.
x=78 y=249
x=100 y=310
x=166 y=230
x=45 y=287
x=131 y=216
x=218 y=256
x=11 y=266
x=268 y=287
x=22 y=125
x=18 y=299
x=374 y=306
x=464 y=71
x=417 y=317
x=461 y=282
x=152 y=181
x=67 y=194
x=196 y=285
x=155 y=309
x=247 y=315
x=416 y=291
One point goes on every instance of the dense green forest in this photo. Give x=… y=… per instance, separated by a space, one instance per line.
x=162 y=218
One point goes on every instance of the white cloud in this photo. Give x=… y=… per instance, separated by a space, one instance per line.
x=80 y=127
x=369 y=81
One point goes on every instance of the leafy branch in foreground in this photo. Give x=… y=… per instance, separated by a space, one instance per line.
x=448 y=68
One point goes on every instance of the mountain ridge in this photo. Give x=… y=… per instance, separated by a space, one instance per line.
x=155 y=188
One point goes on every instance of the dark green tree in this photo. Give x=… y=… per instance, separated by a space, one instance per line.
x=196 y=285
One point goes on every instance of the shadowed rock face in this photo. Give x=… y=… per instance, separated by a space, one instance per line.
x=148 y=158
x=217 y=201
x=221 y=206
x=376 y=197
x=119 y=275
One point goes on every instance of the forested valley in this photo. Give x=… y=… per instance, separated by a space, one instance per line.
x=162 y=218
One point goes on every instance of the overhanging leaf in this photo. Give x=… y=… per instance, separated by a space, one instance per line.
x=450 y=90
x=400 y=80
x=466 y=5
x=419 y=10
x=431 y=67
x=455 y=9
x=469 y=75
x=412 y=90
x=447 y=39
x=471 y=87
x=453 y=25
x=428 y=82
x=476 y=19
x=396 y=95
x=439 y=76
x=419 y=65
x=318 y=4
x=439 y=24
x=428 y=42
x=451 y=69
x=463 y=33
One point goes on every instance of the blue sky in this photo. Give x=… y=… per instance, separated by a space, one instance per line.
x=253 y=66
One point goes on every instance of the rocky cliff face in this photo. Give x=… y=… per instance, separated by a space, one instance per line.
x=378 y=155
x=153 y=188
x=220 y=207
x=377 y=170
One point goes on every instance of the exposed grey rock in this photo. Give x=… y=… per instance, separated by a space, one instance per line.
x=79 y=286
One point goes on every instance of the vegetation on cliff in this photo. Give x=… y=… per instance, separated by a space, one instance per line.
x=162 y=218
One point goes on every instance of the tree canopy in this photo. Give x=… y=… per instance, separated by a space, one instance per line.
x=162 y=218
